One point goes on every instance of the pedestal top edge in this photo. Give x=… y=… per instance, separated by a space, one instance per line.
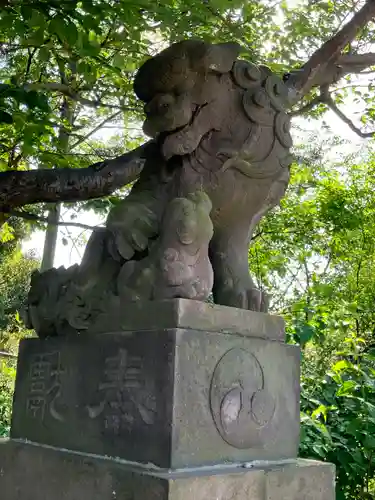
x=190 y=314
x=264 y=466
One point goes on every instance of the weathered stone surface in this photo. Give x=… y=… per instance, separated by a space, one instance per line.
x=109 y=394
x=310 y=480
x=178 y=265
x=33 y=473
x=171 y=397
x=190 y=314
x=252 y=387
x=219 y=161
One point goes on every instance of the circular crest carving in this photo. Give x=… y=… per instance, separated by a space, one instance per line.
x=241 y=406
x=257 y=106
x=265 y=70
x=246 y=74
x=277 y=92
x=282 y=130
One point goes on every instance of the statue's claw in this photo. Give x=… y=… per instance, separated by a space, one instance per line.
x=257 y=300
x=132 y=224
x=252 y=299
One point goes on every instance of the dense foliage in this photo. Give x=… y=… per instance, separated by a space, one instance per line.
x=7 y=378
x=15 y=271
x=316 y=258
x=82 y=55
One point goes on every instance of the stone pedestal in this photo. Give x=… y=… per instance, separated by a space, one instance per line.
x=29 y=472
x=167 y=402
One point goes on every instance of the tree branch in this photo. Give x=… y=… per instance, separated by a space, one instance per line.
x=326 y=98
x=324 y=60
x=355 y=63
x=333 y=106
x=345 y=64
x=4 y=354
x=307 y=107
x=19 y=188
x=326 y=66
x=31 y=54
x=98 y=127
x=75 y=96
x=38 y=218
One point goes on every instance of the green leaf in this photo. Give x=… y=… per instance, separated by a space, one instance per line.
x=31 y=98
x=58 y=26
x=37 y=37
x=70 y=34
x=347 y=388
x=369 y=442
x=37 y=19
x=341 y=365
x=44 y=54
x=305 y=333
x=6 y=233
x=321 y=410
x=119 y=61
x=90 y=23
x=26 y=12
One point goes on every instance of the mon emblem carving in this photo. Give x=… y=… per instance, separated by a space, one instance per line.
x=241 y=405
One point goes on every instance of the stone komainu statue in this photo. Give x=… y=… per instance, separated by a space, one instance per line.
x=218 y=161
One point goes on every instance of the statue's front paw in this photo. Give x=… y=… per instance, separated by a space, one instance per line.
x=181 y=143
x=257 y=300
x=252 y=298
x=132 y=228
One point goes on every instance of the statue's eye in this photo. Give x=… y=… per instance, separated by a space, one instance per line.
x=165 y=102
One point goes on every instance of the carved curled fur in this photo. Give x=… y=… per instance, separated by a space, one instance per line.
x=264 y=101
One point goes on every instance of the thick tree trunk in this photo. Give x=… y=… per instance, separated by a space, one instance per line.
x=52 y=230
x=50 y=239
x=65 y=184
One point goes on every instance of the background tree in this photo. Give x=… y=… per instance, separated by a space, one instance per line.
x=83 y=56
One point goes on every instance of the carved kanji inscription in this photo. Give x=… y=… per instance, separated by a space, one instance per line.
x=45 y=386
x=122 y=395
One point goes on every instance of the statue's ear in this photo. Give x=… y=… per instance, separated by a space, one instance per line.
x=221 y=56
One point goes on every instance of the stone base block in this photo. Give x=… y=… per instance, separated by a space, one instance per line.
x=29 y=472
x=174 y=397
x=191 y=315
